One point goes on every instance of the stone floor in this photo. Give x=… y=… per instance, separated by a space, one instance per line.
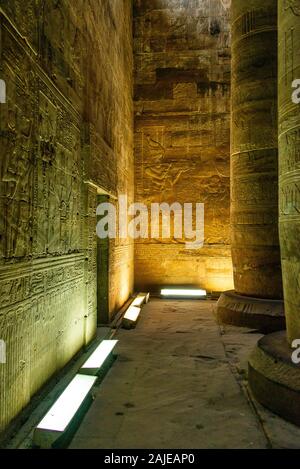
x=180 y=382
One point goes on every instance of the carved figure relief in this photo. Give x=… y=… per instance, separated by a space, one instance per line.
x=293 y=5
x=160 y=176
x=17 y=168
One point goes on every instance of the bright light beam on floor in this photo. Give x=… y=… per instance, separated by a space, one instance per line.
x=138 y=301
x=132 y=313
x=183 y=293
x=145 y=295
x=63 y=411
x=131 y=317
x=99 y=357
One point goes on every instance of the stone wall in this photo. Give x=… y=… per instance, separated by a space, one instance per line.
x=182 y=134
x=65 y=135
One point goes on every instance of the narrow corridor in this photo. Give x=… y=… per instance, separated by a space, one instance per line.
x=173 y=385
x=149 y=145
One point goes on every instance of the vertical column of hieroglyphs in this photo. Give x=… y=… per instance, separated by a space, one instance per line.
x=289 y=159
x=91 y=264
x=254 y=152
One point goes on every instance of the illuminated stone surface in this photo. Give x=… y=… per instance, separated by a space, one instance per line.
x=273 y=377
x=66 y=136
x=179 y=373
x=67 y=121
x=172 y=388
x=182 y=136
x=289 y=161
x=264 y=315
x=254 y=153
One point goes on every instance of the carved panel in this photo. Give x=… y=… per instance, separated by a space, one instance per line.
x=17 y=127
x=24 y=17
x=42 y=322
x=289 y=158
x=58 y=179
x=182 y=133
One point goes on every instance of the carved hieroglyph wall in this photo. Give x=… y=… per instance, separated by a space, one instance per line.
x=182 y=134
x=254 y=150
x=66 y=130
x=289 y=160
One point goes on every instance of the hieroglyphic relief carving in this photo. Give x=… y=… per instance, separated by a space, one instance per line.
x=91 y=249
x=40 y=181
x=41 y=320
x=254 y=173
x=160 y=176
x=182 y=132
x=291 y=140
x=290 y=198
x=289 y=158
x=17 y=289
x=23 y=15
x=47 y=222
x=59 y=175
x=293 y=5
x=53 y=19
x=16 y=152
x=62 y=47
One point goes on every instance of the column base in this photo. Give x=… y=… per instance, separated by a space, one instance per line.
x=261 y=314
x=274 y=379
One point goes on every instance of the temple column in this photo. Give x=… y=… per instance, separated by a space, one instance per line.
x=289 y=160
x=274 y=373
x=256 y=301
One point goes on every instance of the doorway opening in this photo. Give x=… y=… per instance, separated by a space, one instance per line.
x=102 y=274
